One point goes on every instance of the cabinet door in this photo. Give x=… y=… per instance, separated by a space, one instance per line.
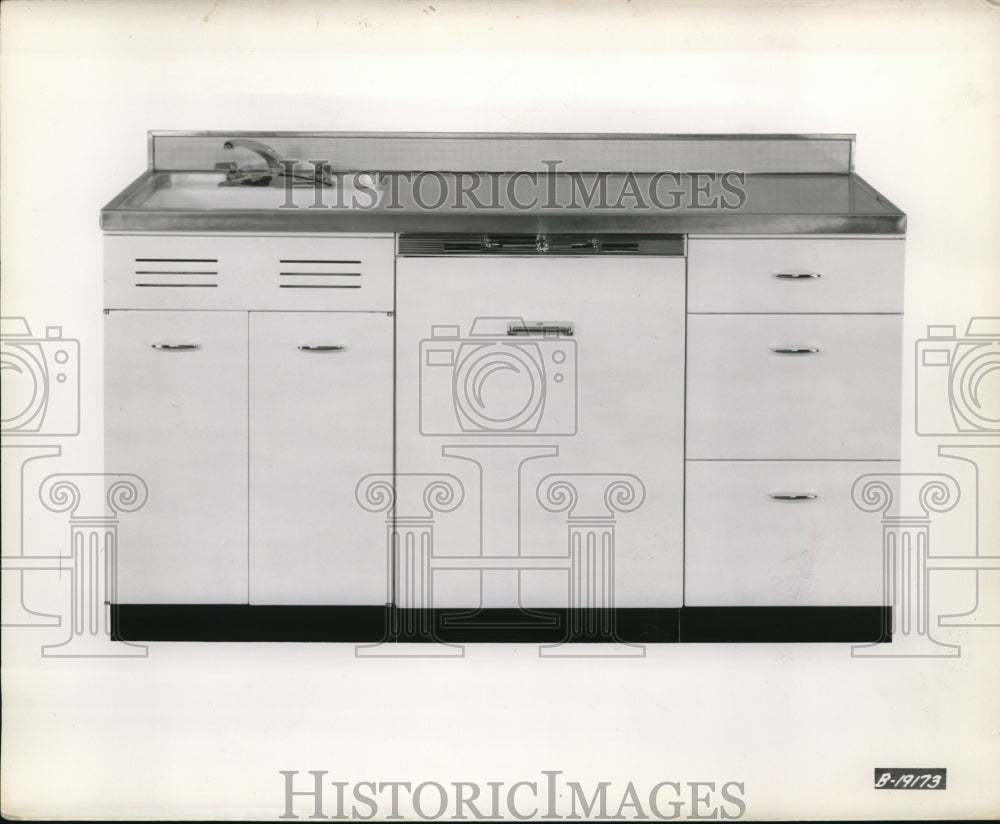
x=508 y=415
x=320 y=420
x=175 y=414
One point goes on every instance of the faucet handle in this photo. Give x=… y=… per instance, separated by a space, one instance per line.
x=231 y=169
x=322 y=171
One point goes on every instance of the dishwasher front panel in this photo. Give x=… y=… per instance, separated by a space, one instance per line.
x=539 y=431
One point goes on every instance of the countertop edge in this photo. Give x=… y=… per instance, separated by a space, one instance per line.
x=248 y=221
x=116 y=217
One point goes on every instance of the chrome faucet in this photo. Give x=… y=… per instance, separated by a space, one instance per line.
x=278 y=171
x=269 y=155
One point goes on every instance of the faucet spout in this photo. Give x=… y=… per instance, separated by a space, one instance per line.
x=269 y=155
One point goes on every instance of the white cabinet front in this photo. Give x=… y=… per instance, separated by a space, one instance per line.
x=794 y=386
x=805 y=274
x=781 y=533
x=546 y=394
x=175 y=414
x=320 y=419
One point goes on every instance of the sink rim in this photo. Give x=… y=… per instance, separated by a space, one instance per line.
x=145 y=189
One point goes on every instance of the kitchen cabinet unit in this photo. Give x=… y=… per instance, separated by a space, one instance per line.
x=249 y=421
x=794 y=375
x=532 y=402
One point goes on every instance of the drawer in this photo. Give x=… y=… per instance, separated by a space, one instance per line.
x=248 y=272
x=795 y=275
x=842 y=401
x=745 y=548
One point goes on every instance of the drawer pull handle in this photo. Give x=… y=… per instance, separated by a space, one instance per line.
x=539 y=327
x=177 y=347
x=793 y=496
x=794 y=350
x=797 y=275
x=309 y=347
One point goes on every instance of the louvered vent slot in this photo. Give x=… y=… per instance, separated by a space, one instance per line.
x=621 y=247
x=663 y=246
x=459 y=246
x=313 y=273
x=176 y=273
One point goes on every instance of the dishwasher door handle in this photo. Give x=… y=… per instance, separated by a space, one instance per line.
x=539 y=327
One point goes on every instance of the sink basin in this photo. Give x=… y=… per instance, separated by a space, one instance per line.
x=202 y=192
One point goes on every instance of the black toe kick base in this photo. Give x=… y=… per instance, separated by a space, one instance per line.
x=372 y=624
x=785 y=625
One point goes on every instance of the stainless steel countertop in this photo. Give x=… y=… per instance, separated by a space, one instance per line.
x=773 y=204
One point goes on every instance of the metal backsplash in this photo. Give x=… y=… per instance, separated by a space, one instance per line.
x=457 y=152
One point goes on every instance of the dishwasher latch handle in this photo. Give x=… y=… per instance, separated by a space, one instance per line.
x=539 y=327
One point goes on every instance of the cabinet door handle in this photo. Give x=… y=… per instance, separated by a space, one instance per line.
x=539 y=327
x=309 y=347
x=796 y=275
x=793 y=496
x=177 y=347
x=794 y=350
